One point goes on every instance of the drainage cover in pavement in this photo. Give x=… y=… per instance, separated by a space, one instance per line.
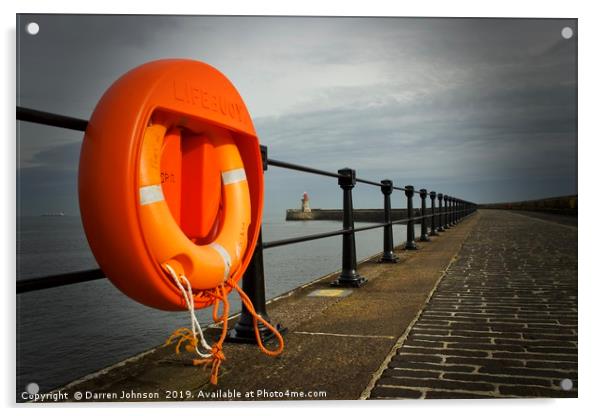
x=331 y=293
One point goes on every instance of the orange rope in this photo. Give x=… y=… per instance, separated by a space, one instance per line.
x=256 y=317
x=185 y=334
x=217 y=348
x=217 y=354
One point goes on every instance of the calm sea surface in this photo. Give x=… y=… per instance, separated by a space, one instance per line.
x=68 y=332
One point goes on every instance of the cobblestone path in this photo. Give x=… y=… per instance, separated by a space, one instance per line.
x=501 y=323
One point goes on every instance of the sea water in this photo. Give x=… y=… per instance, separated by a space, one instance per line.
x=67 y=332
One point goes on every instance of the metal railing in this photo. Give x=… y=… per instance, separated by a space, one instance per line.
x=433 y=220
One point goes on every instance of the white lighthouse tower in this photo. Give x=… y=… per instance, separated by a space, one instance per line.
x=305 y=203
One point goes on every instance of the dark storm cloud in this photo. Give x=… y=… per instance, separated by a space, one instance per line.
x=482 y=108
x=74 y=58
x=447 y=127
x=62 y=157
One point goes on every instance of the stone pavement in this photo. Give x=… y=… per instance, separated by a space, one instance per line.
x=501 y=323
x=336 y=340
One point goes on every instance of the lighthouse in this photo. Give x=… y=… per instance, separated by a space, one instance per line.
x=305 y=203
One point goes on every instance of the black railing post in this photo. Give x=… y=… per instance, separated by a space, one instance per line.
x=410 y=244
x=349 y=275
x=458 y=206
x=423 y=226
x=253 y=284
x=446 y=213
x=433 y=196
x=452 y=208
x=440 y=229
x=458 y=210
x=388 y=254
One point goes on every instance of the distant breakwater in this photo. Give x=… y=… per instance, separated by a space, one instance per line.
x=566 y=205
x=360 y=215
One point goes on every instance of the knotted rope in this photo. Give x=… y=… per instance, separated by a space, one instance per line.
x=215 y=355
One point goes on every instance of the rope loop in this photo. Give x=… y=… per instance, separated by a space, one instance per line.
x=191 y=338
x=256 y=319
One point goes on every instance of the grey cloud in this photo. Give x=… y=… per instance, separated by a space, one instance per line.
x=63 y=157
x=485 y=108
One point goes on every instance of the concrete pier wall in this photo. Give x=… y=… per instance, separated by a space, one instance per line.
x=359 y=215
x=566 y=205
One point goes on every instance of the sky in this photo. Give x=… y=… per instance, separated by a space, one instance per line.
x=482 y=109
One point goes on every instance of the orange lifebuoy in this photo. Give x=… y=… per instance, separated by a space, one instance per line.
x=170 y=175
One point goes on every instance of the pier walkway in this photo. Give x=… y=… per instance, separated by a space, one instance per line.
x=487 y=309
x=503 y=320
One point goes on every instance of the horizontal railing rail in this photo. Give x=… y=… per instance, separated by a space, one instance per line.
x=51 y=119
x=72 y=123
x=450 y=211
x=82 y=276
x=63 y=279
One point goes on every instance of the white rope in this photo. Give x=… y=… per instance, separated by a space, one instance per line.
x=194 y=323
